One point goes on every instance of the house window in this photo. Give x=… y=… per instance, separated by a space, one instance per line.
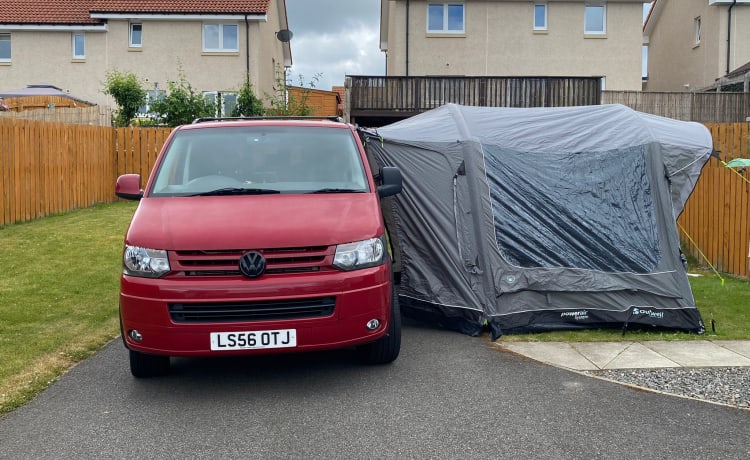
x=540 y=16
x=221 y=38
x=136 y=35
x=4 y=47
x=595 y=19
x=697 y=28
x=445 y=18
x=79 y=45
x=224 y=102
x=152 y=96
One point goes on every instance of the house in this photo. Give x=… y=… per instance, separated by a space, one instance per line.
x=694 y=44
x=215 y=45
x=591 y=38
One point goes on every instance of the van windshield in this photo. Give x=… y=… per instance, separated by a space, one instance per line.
x=276 y=159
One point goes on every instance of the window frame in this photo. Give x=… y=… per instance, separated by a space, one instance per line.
x=79 y=56
x=221 y=48
x=8 y=59
x=131 y=43
x=446 y=17
x=697 y=31
x=542 y=4
x=152 y=95
x=603 y=30
x=219 y=99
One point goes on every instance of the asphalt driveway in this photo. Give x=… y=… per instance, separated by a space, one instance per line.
x=447 y=396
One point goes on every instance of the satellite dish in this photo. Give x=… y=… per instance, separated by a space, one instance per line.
x=284 y=35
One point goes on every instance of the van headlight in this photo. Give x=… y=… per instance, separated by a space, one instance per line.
x=149 y=263
x=360 y=254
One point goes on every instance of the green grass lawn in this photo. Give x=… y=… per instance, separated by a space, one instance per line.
x=59 y=286
x=58 y=295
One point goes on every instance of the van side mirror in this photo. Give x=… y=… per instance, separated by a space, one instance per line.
x=392 y=183
x=128 y=186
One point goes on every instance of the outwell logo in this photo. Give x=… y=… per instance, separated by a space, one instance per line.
x=649 y=313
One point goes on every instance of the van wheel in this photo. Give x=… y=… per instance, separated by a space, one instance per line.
x=385 y=349
x=144 y=366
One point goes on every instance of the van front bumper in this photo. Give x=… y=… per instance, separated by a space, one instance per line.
x=359 y=297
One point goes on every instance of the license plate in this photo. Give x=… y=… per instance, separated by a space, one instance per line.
x=252 y=340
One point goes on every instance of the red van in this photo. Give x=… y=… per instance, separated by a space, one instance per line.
x=258 y=236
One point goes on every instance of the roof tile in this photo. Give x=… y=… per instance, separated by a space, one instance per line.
x=46 y=12
x=180 y=6
x=78 y=11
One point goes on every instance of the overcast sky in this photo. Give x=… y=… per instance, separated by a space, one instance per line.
x=333 y=38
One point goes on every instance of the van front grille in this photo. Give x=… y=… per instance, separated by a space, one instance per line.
x=229 y=312
x=226 y=262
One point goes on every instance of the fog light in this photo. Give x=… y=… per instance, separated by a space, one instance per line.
x=373 y=324
x=135 y=335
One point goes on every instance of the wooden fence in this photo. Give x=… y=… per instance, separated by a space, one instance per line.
x=93 y=116
x=687 y=106
x=716 y=216
x=136 y=149
x=47 y=168
x=372 y=95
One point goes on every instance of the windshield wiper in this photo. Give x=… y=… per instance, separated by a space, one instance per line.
x=237 y=191
x=337 y=190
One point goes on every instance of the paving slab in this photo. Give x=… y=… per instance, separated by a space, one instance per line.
x=741 y=347
x=698 y=353
x=555 y=353
x=622 y=355
x=638 y=356
x=601 y=353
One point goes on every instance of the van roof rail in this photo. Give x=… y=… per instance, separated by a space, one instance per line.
x=274 y=117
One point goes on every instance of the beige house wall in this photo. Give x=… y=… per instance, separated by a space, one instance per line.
x=500 y=40
x=168 y=46
x=677 y=63
x=47 y=57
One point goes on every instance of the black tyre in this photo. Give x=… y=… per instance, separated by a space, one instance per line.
x=387 y=348
x=144 y=366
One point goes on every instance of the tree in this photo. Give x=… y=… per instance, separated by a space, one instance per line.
x=248 y=105
x=125 y=88
x=182 y=104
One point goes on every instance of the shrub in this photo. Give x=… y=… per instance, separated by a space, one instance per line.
x=127 y=92
x=182 y=104
x=248 y=105
x=284 y=103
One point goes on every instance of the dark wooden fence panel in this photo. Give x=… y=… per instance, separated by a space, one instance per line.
x=687 y=106
x=418 y=94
